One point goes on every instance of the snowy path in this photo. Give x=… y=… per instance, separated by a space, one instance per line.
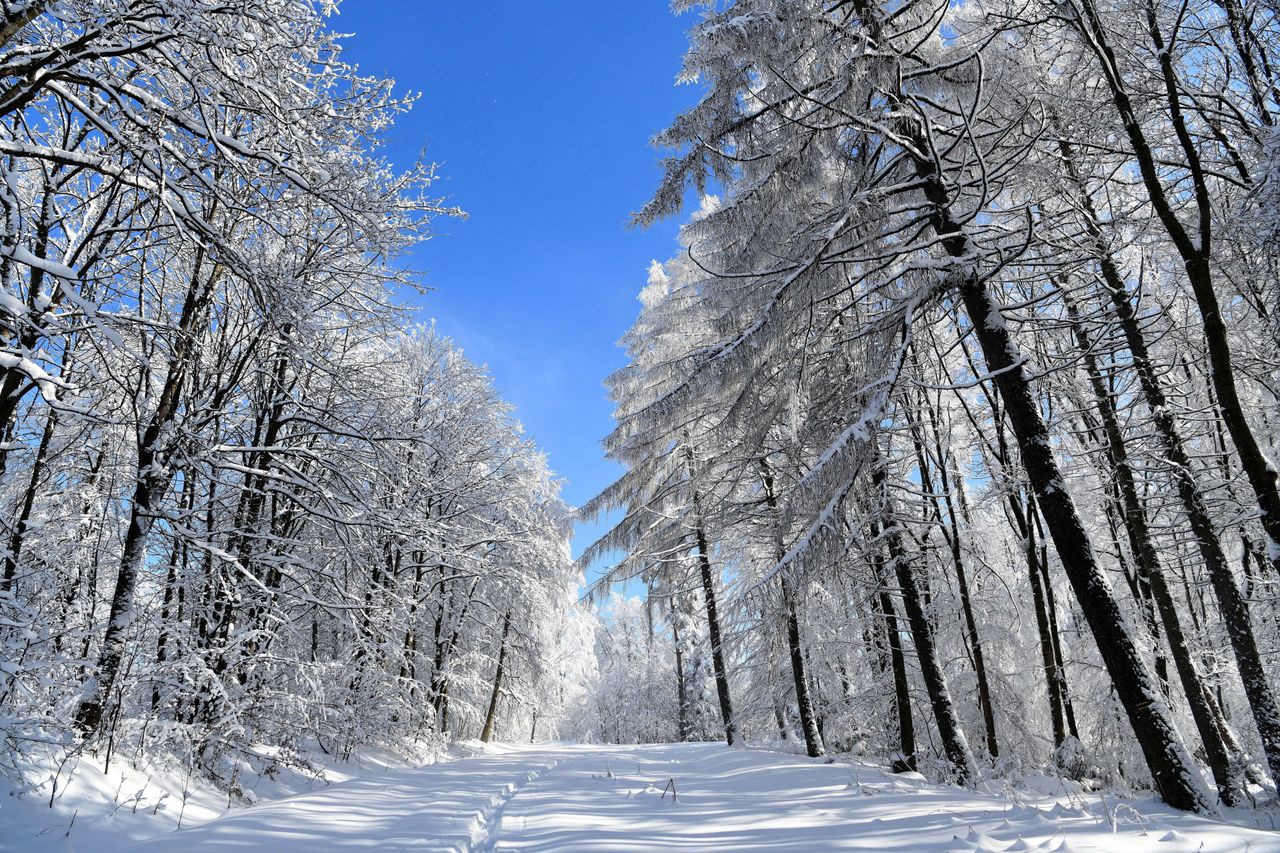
x=602 y=798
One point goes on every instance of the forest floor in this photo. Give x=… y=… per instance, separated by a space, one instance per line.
x=571 y=797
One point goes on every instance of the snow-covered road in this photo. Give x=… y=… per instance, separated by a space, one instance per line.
x=610 y=798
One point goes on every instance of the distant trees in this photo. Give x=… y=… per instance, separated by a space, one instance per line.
x=246 y=499
x=950 y=299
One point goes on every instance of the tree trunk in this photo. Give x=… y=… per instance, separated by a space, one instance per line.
x=1055 y=632
x=951 y=532
x=148 y=492
x=804 y=701
x=954 y=743
x=714 y=635
x=809 y=723
x=491 y=716
x=172 y=594
x=901 y=703
x=1047 y=658
x=682 y=692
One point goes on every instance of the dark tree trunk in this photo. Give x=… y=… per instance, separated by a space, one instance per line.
x=172 y=593
x=1055 y=632
x=714 y=635
x=1139 y=581
x=809 y=723
x=15 y=383
x=682 y=692
x=408 y=666
x=491 y=716
x=147 y=493
x=162 y=642
x=444 y=648
x=1047 y=657
x=954 y=743
x=951 y=532
x=900 y=709
x=804 y=700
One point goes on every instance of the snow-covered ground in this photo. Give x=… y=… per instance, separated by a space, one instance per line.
x=80 y=804
x=555 y=797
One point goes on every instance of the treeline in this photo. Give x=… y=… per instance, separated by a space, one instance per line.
x=246 y=499
x=953 y=419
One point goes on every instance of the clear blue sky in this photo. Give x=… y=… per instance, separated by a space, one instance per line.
x=540 y=114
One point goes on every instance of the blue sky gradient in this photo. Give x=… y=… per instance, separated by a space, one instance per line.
x=540 y=115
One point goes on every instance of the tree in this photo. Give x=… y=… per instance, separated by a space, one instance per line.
x=868 y=175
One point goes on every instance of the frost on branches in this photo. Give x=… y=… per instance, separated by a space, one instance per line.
x=246 y=500
x=963 y=389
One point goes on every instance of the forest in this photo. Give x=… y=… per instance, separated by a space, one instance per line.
x=248 y=497
x=964 y=377
x=947 y=431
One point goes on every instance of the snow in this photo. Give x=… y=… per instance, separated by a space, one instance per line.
x=25 y=256
x=573 y=797
x=103 y=809
x=47 y=384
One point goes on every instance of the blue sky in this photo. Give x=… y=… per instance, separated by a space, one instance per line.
x=540 y=114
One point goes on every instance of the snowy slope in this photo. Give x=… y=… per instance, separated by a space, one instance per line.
x=553 y=797
x=100 y=809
